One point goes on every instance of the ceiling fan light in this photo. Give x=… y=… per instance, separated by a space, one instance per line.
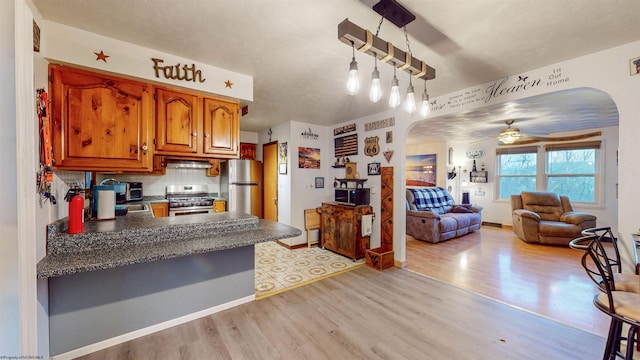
x=509 y=135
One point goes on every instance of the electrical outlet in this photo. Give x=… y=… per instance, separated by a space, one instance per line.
x=373 y=189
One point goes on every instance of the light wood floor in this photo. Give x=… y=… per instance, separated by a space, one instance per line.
x=367 y=314
x=547 y=280
x=400 y=314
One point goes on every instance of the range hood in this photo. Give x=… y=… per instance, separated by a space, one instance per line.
x=187 y=164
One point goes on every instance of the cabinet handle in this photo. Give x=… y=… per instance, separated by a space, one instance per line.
x=194 y=134
x=206 y=135
x=145 y=148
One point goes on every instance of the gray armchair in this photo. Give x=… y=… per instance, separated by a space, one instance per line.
x=547 y=218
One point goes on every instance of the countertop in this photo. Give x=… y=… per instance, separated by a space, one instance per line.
x=139 y=237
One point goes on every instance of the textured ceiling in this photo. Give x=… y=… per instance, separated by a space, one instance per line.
x=290 y=47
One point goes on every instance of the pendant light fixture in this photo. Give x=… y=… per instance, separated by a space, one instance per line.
x=370 y=43
x=410 y=101
x=424 y=105
x=375 y=93
x=394 y=96
x=353 y=85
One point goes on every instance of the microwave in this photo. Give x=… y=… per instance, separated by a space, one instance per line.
x=134 y=191
x=352 y=196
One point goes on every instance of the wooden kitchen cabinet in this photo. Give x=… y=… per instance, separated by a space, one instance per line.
x=100 y=122
x=219 y=205
x=341 y=229
x=193 y=125
x=160 y=209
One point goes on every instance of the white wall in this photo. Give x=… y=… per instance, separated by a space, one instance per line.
x=9 y=299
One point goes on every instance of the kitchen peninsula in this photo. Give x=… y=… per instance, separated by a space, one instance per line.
x=138 y=274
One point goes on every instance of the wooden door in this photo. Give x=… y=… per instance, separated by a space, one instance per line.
x=221 y=128
x=99 y=122
x=177 y=122
x=270 y=180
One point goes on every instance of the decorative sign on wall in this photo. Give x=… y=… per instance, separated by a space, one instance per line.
x=389 y=137
x=346 y=145
x=247 y=151
x=309 y=134
x=634 y=66
x=177 y=72
x=380 y=124
x=308 y=158
x=373 y=168
x=371 y=147
x=474 y=153
x=388 y=155
x=344 y=129
x=421 y=170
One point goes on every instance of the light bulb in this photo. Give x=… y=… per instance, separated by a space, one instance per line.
x=394 y=96
x=375 y=93
x=353 y=85
x=424 y=105
x=410 y=101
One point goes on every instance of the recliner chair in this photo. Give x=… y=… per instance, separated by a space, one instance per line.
x=547 y=218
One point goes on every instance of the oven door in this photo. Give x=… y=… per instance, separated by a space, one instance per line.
x=190 y=211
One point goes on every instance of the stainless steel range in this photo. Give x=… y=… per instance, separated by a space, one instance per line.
x=189 y=200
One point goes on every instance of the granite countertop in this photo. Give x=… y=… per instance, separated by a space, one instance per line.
x=139 y=237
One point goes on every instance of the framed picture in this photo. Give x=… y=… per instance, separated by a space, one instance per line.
x=373 y=168
x=421 y=170
x=282 y=168
x=350 y=170
x=319 y=182
x=308 y=158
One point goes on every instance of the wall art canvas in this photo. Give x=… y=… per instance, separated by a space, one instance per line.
x=421 y=170
x=282 y=152
x=308 y=158
x=346 y=145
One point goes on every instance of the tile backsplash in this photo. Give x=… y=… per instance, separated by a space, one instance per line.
x=154 y=185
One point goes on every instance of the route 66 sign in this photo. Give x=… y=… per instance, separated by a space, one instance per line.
x=371 y=147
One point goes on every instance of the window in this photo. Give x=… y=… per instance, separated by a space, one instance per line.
x=569 y=169
x=517 y=168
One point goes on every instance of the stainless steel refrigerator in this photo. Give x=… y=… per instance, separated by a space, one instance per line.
x=241 y=186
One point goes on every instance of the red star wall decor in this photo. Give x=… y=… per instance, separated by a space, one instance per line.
x=228 y=84
x=101 y=56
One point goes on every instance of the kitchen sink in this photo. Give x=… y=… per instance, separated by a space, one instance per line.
x=137 y=207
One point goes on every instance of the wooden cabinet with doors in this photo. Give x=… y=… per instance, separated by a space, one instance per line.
x=193 y=125
x=100 y=122
x=160 y=209
x=341 y=229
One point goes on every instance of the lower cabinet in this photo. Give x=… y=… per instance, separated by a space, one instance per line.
x=341 y=229
x=160 y=209
x=219 y=205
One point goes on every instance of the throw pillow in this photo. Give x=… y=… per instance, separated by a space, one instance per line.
x=462 y=209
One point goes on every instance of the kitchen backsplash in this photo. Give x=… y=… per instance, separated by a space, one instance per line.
x=152 y=185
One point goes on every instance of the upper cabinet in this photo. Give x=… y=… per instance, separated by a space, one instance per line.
x=100 y=122
x=193 y=125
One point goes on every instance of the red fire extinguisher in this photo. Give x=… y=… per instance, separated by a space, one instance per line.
x=76 y=211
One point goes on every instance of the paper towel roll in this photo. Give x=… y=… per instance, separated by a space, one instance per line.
x=106 y=204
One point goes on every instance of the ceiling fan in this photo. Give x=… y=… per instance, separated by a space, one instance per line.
x=513 y=136
x=509 y=135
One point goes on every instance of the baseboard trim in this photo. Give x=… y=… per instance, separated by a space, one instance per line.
x=399 y=264
x=293 y=247
x=85 y=350
x=487 y=223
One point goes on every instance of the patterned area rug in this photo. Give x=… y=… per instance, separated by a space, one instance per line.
x=279 y=269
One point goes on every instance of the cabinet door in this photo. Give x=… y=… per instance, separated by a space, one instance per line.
x=221 y=128
x=347 y=236
x=99 y=122
x=328 y=230
x=176 y=122
x=160 y=209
